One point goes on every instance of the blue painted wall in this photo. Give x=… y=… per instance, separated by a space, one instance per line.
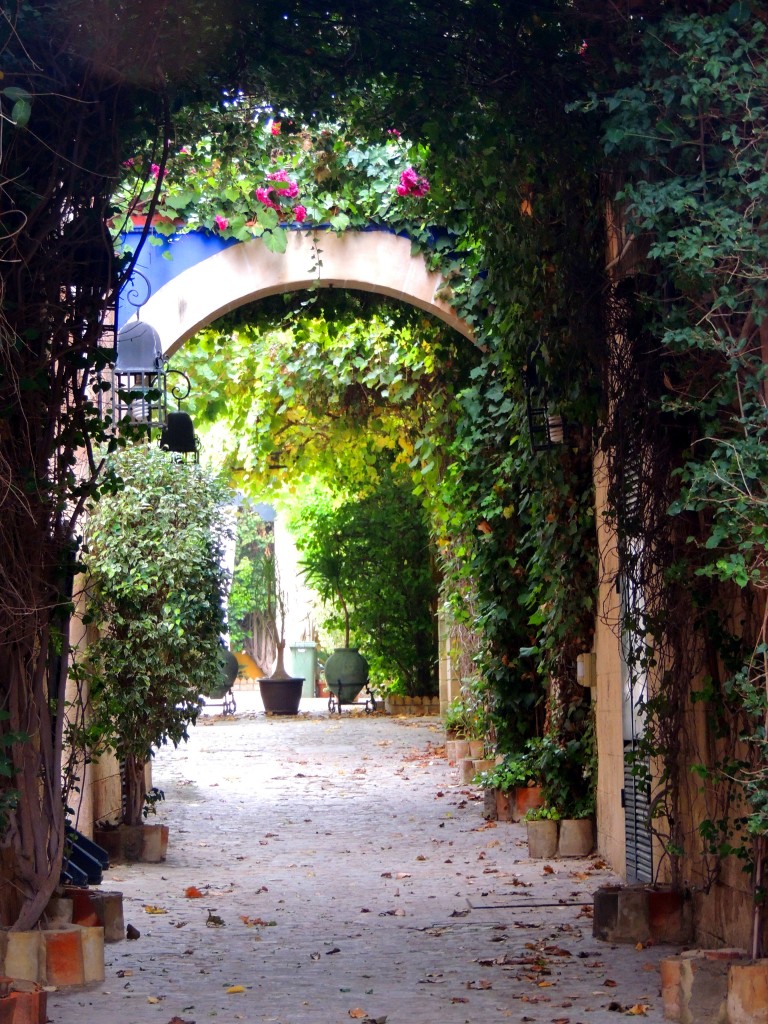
x=161 y=263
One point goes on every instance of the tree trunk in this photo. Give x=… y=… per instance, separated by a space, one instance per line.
x=32 y=794
x=135 y=790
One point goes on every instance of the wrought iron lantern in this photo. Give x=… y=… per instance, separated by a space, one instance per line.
x=139 y=376
x=546 y=429
x=178 y=434
x=140 y=390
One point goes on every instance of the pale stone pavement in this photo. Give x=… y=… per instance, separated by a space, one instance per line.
x=354 y=879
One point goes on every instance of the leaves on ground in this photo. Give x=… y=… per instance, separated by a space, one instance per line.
x=232 y=990
x=150 y=909
x=193 y=893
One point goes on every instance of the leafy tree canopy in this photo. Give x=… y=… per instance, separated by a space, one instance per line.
x=153 y=554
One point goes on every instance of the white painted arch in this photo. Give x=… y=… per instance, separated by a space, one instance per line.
x=373 y=261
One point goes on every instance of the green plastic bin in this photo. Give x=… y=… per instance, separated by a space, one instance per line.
x=304 y=665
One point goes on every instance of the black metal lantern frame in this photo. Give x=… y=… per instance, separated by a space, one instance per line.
x=546 y=429
x=138 y=385
x=140 y=390
x=178 y=434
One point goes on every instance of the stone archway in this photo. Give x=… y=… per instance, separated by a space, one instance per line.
x=374 y=260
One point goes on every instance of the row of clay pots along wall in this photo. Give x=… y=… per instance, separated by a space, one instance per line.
x=65 y=955
x=470 y=757
x=400 y=704
x=700 y=986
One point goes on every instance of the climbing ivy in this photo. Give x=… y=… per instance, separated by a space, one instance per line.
x=688 y=134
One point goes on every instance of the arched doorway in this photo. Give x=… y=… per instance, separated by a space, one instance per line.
x=210 y=285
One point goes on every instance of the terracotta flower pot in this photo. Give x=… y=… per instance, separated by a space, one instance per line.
x=747 y=993
x=542 y=839
x=526 y=798
x=577 y=837
x=505 y=805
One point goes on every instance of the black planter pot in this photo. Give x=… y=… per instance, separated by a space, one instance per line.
x=281 y=696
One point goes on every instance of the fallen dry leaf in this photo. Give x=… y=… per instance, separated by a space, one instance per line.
x=150 y=909
x=234 y=989
x=481 y=983
x=153 y=999
x=357 y=1013
x=609 y=983
x=459 y=999
x=639 y=1009
x=406 y=874
x=548 y=869
x=193 y=893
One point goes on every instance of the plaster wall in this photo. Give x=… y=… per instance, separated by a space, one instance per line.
x=98 y=795
x=373 y=261
x=607 y=693
x=720 y=889
x=449 y=680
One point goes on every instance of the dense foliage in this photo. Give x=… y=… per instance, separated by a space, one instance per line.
x=488 y=93
x=153 y=554
x=688 y=133
x=369 y=560
x=249 y=601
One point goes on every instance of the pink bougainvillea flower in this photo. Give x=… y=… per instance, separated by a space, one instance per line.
x=412 y=183
x=275 y=128
x=221 y=222
x=129 y=162
x=285 y=186
x=393 y=132
x=185 y=150
x=300 y=213
x=262 y=194
x=154 y=170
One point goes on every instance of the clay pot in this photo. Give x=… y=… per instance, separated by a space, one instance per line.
x=542 y=839
x=747 y=993
x=577 y=837
x=527 y=798
x=505 y=805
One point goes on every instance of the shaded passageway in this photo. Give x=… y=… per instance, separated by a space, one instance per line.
x=346 y=875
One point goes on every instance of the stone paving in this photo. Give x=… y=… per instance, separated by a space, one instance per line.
x=347 y=874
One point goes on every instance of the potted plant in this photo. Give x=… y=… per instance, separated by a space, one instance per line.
x=513 y=783
x=542 y=824
x=327 y=569
x=149 y=545
x=563 y=766
x=280 y=692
